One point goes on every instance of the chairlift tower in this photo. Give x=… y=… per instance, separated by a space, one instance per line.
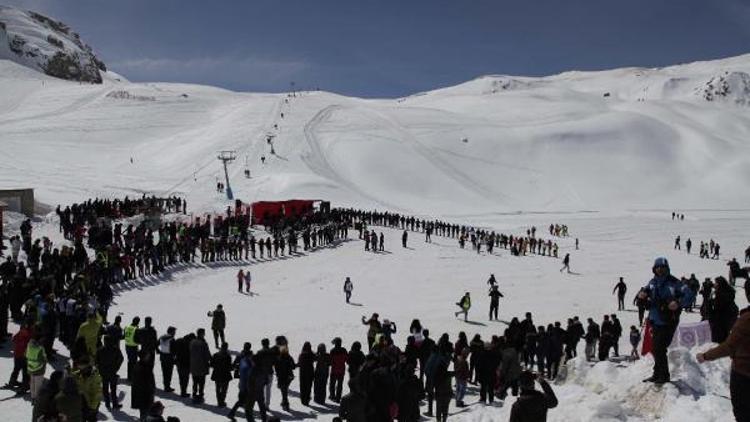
x=227 y=157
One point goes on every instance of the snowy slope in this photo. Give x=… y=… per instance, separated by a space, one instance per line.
x=495 y=144
x=47 y=45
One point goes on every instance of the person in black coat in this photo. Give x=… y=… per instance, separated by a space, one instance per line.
x=408 y=395
x=109 y=359
x=532 y=405
x=556 y=336
x=182 y=360
x=355 y=360
x=353 y=406
x=322 y=370
x=723 y=310
x=143 y=387
x=487 y=362
x=284 y=374
x=255 y=390
x=381 y=389
x=306 y=365
x=221 y=363
x=146 y=337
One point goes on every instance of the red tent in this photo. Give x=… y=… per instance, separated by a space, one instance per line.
x=270 y=211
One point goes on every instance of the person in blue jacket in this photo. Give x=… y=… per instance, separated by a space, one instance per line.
x=663 y=293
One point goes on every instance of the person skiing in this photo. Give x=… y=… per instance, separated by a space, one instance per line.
x=465 y=304
x=348 y=287
x=621 y=288
x=492 y=282
x=663 y=295
x=495 y=296
x=566 y=263
x=404 y=237
x=218 y=323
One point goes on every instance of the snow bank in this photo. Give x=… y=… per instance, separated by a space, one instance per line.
x=609 y=391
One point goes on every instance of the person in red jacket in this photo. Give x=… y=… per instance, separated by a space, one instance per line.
x=338 y=369
x=20 y=341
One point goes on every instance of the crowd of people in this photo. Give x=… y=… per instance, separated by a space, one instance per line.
x=66 y=295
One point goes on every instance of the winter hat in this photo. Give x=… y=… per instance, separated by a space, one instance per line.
x=526 y=380
x=661 y=262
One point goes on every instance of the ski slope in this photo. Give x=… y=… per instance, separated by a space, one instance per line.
x=494 y=144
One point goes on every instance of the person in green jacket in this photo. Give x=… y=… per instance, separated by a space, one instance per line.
x=89 y=330
x=90 y=387
x=69 y=401
x=465 y=305
x=36 y=364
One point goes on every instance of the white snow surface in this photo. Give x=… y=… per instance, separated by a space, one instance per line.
x=536 y=151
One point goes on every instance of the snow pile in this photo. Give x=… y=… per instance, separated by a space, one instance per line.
x=615 y=392
x=44 y=44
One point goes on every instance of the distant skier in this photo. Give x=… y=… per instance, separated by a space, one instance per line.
x=465 y=304
x=492 y=282
x=621 y=288
x=381 y=246
x=248 y=281
x=677 y=243
x=404 y=237
x=348 y=287
x=566 y=263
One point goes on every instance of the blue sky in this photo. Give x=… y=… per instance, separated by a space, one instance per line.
x=392 y=48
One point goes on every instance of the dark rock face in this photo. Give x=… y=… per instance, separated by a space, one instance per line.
x=48 y=45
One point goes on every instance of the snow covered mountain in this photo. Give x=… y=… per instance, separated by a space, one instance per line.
x=44 y=44
x=673 y=137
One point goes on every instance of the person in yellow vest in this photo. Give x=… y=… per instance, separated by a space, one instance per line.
x=89 y=330
x=131 y=346
x=90 y=386
x=36 y=364
x=465 y=305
